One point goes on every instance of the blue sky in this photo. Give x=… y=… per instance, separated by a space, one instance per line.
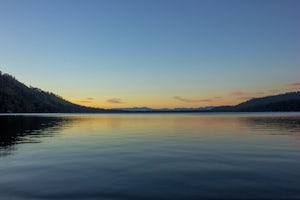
x=147 y=53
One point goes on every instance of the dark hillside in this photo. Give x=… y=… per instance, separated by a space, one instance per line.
x=282 y=102
x=278 y=103
x=18 y=98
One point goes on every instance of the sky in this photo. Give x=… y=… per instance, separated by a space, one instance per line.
x=152 y=53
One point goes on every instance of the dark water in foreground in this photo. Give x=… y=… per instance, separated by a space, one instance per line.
x=150 y=156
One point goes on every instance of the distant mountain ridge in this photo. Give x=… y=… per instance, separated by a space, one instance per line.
x=16 y=97
x=146 y=109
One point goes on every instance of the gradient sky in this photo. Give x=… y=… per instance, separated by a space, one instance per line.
x=163 y=53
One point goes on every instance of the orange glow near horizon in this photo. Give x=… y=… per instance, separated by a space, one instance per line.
x=153 y=104
x=168 y=101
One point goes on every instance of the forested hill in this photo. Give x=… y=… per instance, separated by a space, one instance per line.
x=282 y=102
x=16 y=97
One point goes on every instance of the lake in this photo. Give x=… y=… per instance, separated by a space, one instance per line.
x=150 y=156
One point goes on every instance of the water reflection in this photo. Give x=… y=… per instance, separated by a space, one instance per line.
x=150 y=156
x=283 y=125
x=27 y=129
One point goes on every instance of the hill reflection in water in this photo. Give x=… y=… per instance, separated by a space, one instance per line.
x=27 y=129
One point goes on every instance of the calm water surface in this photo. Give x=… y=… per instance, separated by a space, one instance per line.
x=150 y=156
